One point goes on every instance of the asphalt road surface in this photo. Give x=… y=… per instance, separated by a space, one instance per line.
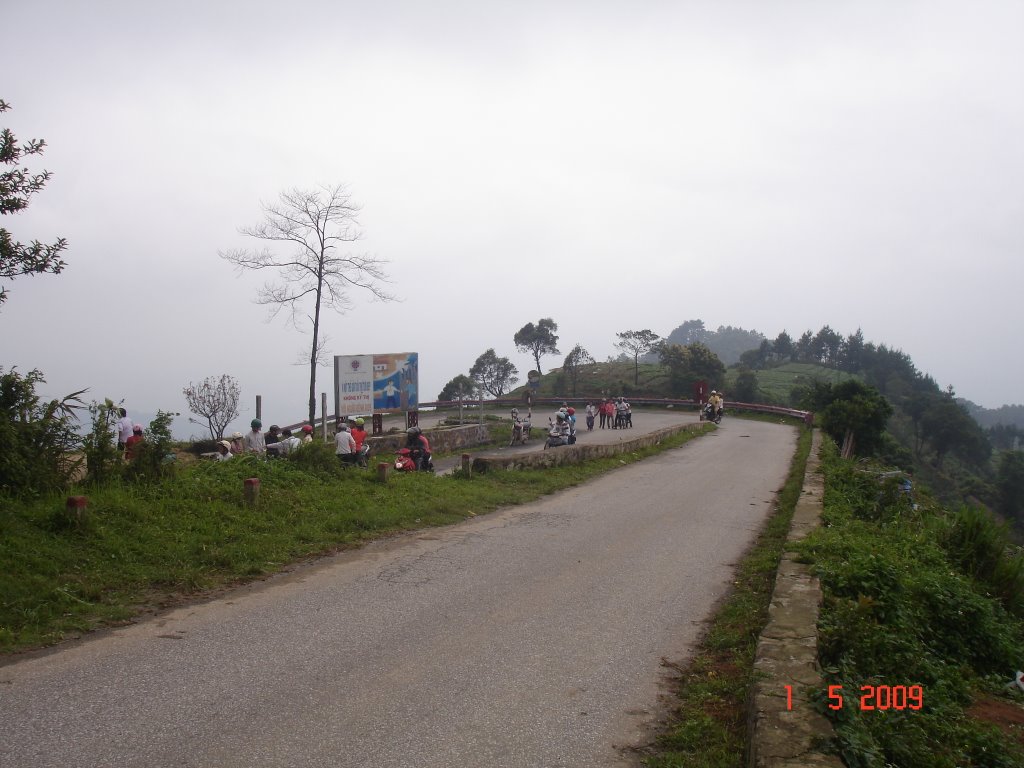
x=528 y=638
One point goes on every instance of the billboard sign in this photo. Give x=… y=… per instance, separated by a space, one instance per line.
x=366 y=384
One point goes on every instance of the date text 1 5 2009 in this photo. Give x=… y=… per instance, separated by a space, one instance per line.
x=873 y=697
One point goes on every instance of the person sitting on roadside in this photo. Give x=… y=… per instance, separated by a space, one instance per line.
x=254 y=442
x=287 y=443
x=224 y=450
x=345 y=445
x=237 y=443
x=307 y=433
x=273 y=435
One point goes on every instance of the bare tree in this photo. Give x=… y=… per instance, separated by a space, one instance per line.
x=216 y=400
x=637 y=343
x=574 y=362
x=316 y=224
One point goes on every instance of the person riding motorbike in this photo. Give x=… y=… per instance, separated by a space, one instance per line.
x=419 y=448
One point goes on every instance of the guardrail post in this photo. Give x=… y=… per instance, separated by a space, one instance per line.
x=251 y=491
x=467 y=463
x=382 y=471
x=77 y=507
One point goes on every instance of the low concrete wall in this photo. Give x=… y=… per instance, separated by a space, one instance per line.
x=444 y=440
x=574 y=454
x=784 y=735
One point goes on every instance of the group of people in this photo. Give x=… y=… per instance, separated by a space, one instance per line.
x=129 y=435
x=276 y=442
x=613 y=413
x=349 y=439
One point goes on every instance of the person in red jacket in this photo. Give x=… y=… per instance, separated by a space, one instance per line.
x=131 y=445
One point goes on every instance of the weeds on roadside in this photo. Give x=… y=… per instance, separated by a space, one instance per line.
x=913 y=597
x=154 y=542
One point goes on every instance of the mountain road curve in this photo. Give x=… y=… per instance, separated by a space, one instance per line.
x=534 y=636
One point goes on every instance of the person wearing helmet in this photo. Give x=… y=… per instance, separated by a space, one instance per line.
x=254 y=442
x=224 y=450
x=345 y=445
x=307 y=433
x=359 y=435
x=131 y=445
x=419 y=448
x=237 y=441
x=570 y=416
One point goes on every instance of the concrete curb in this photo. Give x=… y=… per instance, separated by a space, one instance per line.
x=784 y=733
x=575 y=454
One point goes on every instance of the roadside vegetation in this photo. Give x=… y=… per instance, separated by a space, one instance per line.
x=919 y=601
x=147 y=544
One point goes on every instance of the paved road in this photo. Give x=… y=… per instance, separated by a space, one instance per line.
x=525 y=638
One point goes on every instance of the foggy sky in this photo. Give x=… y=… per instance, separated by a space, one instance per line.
x=851 y=164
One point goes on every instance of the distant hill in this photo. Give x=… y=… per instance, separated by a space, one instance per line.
x=1007 y=415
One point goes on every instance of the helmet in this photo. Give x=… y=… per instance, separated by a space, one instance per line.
x=360 y=421
x=137 y=428
x=343 y=427
x=413 y=431
x=560 y=416
x=255 y=423
x=307 y=428
x=236 y=435
x=224 y=443
x=571 y=411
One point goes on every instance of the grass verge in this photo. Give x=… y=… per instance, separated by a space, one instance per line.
x=142 y=546
x=708 y=726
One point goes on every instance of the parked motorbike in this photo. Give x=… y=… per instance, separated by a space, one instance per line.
x=520 y=429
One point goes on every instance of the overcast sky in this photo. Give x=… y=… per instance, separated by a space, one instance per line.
x=613 y=166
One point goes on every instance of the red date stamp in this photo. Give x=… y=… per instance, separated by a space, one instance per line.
x=873 y=697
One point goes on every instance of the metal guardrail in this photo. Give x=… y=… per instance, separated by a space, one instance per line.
x=445 y=405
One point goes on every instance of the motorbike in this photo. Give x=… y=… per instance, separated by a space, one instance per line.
x=558 y=435
x=520 y=429
x=412 y=460
x=708 y=413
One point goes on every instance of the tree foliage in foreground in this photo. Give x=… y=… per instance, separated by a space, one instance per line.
x=38 y=436
x=17 y=185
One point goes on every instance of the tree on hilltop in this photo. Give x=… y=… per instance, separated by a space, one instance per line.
x=315 y=224
x=637 y=344
x=538 y=340
x=574 y=361
x=17 y=185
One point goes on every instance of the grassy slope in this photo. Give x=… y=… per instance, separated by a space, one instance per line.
x=151 y=544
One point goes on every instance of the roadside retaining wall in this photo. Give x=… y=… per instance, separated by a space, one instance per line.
x=574 y=454
x=784 y=733
x=443 y=440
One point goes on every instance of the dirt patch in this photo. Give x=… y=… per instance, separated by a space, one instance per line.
x=1007 y=715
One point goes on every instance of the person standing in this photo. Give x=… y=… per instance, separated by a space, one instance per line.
x=124 y=428
x=590 y=417
x=254 y=439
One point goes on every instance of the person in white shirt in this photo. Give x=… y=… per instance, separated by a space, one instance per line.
x=124 y=428
x=345 y=445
